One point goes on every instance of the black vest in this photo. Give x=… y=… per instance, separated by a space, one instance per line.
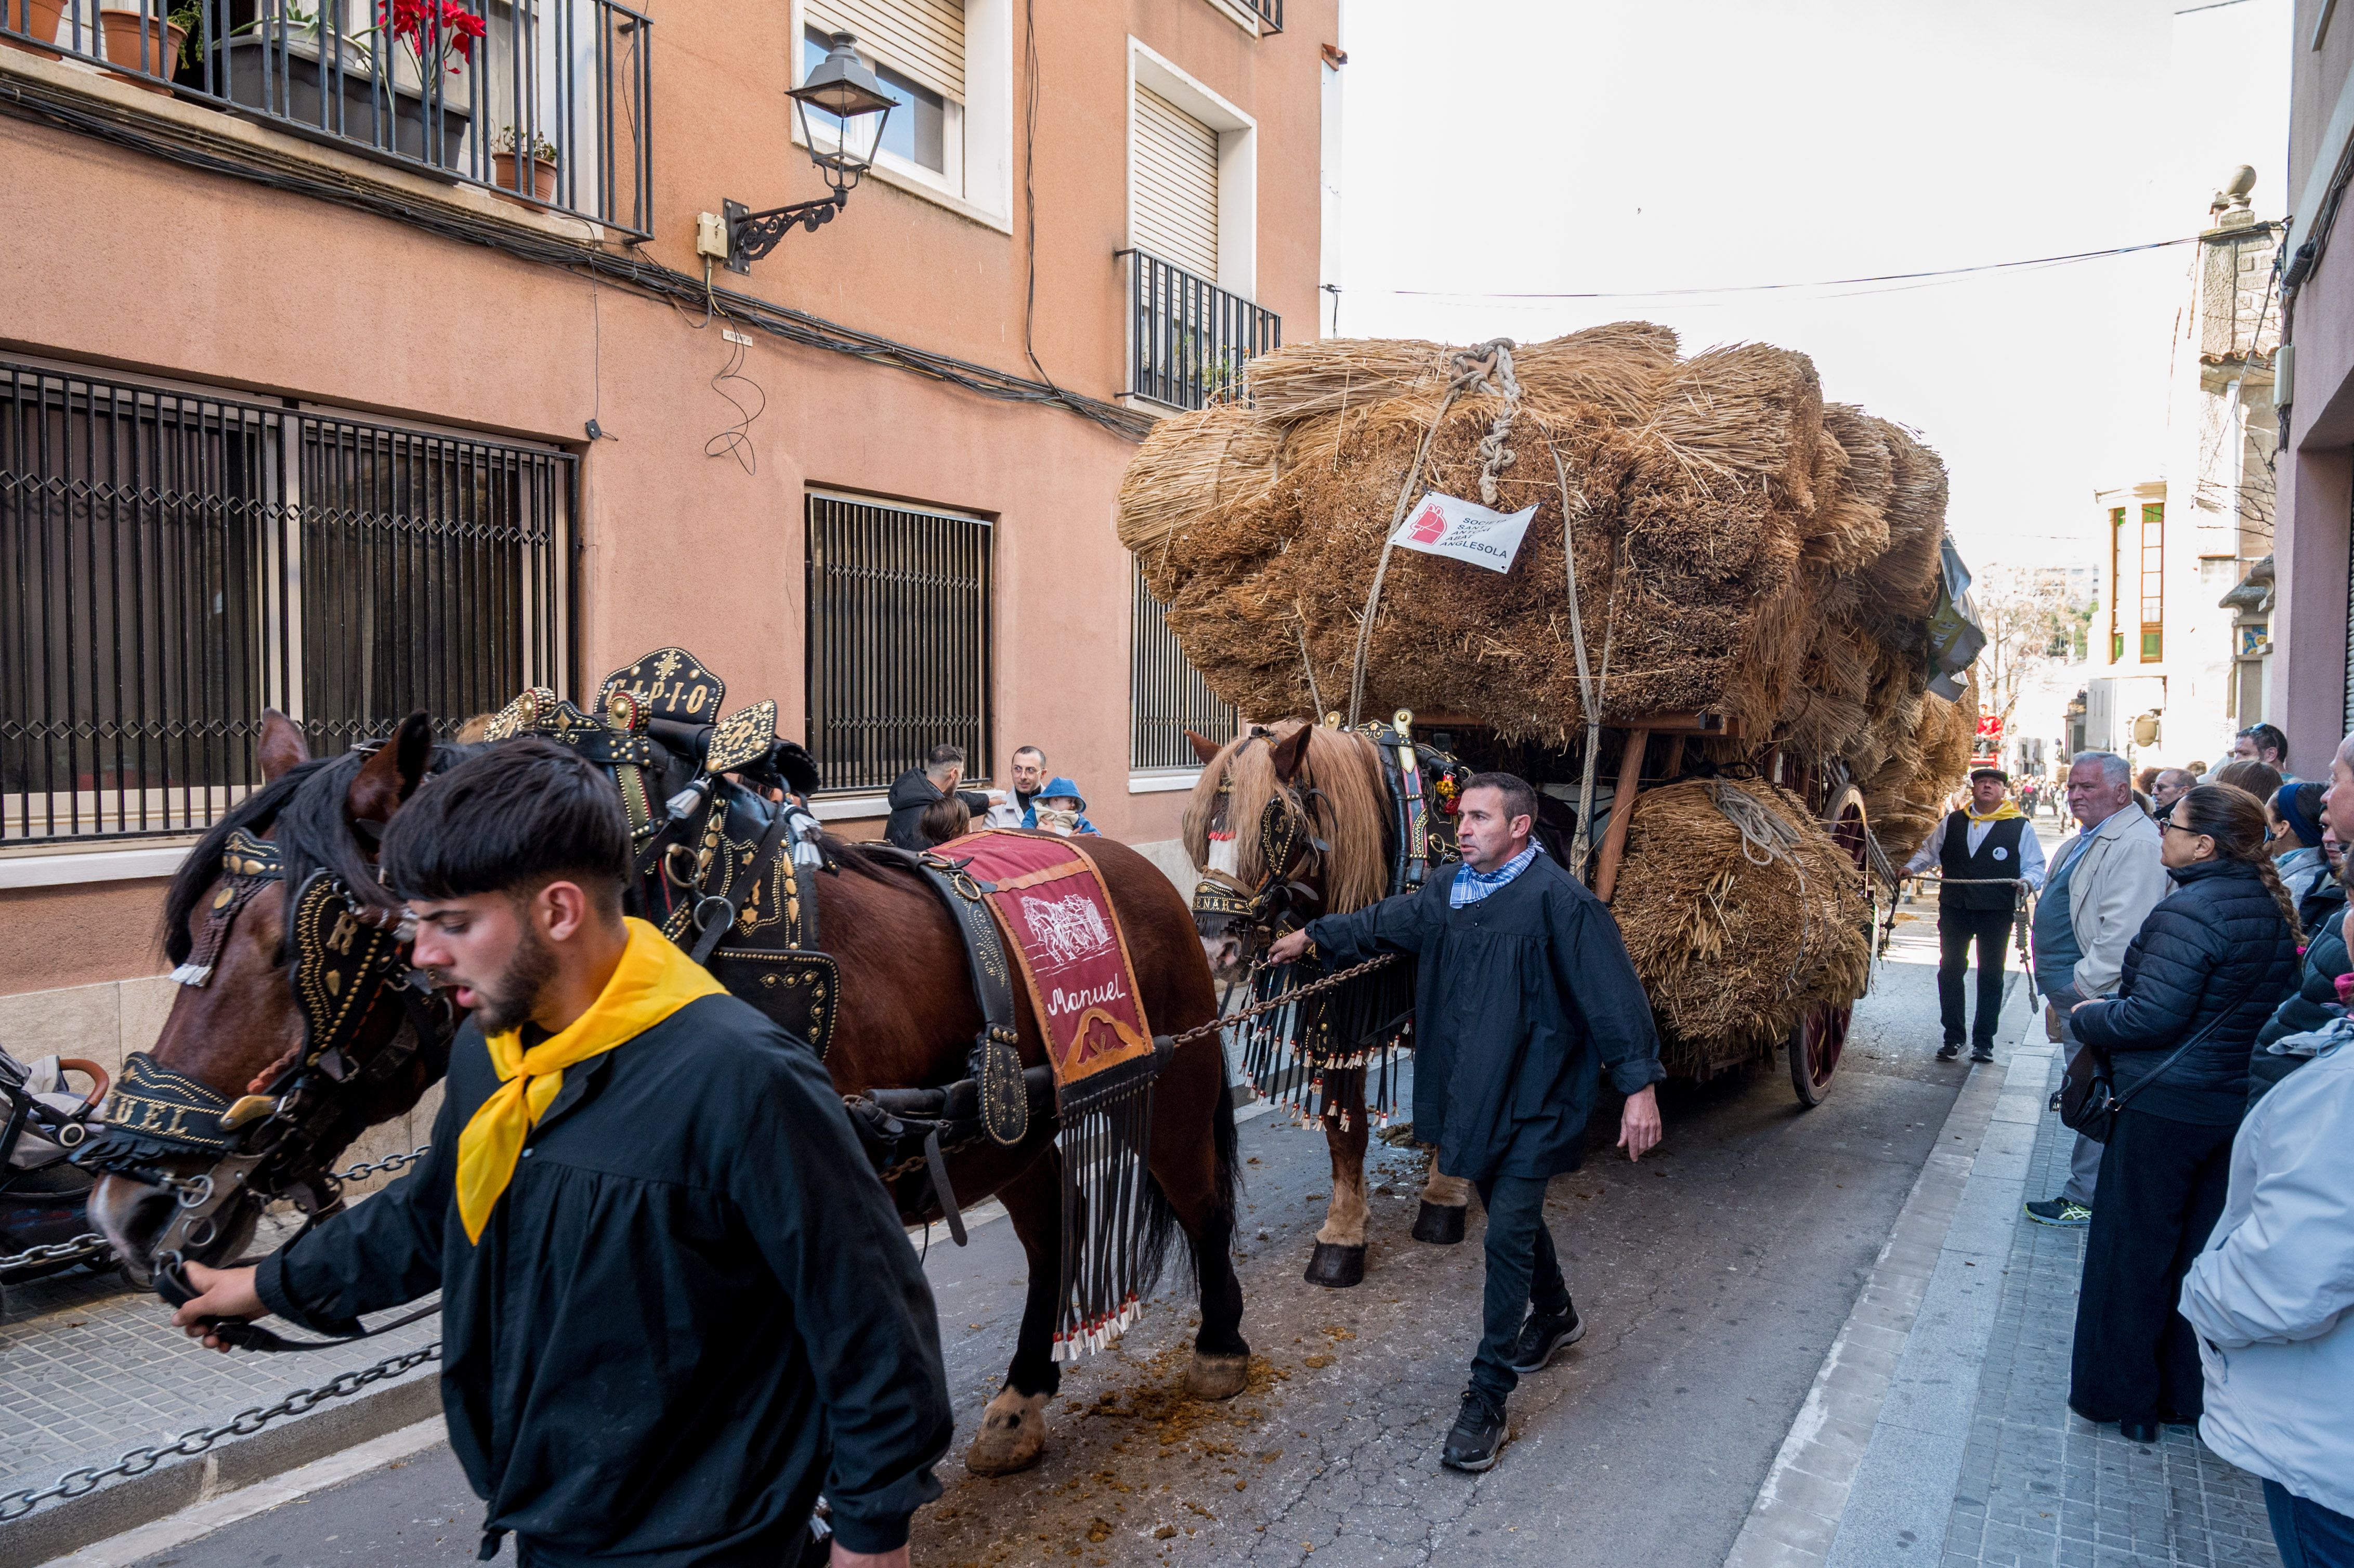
x=1955 y=861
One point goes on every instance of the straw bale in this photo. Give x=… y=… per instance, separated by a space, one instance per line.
x=1743 y=420
x=1188 y=467
x=1325 y=376
x=1901 y=584
x=1711 y=932
x=1617 y=367
x=1849 y=524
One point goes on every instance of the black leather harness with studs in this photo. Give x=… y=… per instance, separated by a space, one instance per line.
x=995 y=1061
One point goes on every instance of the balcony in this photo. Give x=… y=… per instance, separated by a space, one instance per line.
x=1270 y=12
x=1188 y=338
x=545 y=101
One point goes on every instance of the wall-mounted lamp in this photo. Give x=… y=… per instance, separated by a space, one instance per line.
x=842 y=109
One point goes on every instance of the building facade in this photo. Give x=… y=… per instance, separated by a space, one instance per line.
x=2307 y=692
x=352 y=369
x=2181 y=625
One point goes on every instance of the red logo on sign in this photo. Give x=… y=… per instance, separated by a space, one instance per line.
x=1428 y=526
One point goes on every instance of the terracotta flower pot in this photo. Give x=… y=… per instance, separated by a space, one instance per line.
x=542 y=174
x=140 y=45
x=40 y=18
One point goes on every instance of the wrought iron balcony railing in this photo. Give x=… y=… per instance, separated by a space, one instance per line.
x=546 y=100
x=1188 y=338
x=1270 y=12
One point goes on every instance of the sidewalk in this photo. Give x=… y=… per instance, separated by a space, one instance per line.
x=1938 y=1430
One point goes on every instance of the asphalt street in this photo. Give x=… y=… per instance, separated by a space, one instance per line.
x=1714 y=1276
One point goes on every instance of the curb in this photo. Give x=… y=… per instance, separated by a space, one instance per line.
x=72 y=1523
x=1803 y=1509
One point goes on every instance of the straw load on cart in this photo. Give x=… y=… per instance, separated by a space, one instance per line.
x=1749 y=569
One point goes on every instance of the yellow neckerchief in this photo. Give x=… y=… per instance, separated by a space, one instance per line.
x=652 y=980
x=2001 y=813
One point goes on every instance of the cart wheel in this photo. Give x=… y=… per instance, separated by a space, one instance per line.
x=1816 y=1042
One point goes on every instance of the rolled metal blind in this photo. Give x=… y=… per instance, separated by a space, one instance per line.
x=921 y=39
x=1176 y=186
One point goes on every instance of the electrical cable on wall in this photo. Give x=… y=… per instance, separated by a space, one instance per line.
x=735 y=440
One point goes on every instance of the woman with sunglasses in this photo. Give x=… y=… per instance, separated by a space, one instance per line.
x=2207 y=969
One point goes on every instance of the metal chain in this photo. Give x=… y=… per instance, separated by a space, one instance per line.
x=1286 y=999
x=86 y=1245
x=139 y=1461
x=389 y=1162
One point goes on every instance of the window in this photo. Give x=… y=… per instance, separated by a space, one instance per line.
x=2116 y=584
x=919 y=52
x=174 y=563
x=2153 y=582
x=1176 y=186
x=898 y=639
x=1167 y=697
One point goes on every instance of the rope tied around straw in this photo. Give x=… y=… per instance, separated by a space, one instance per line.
x=1488 y=368
x=1765 y=839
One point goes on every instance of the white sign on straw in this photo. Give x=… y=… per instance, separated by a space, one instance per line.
x=1464 y=531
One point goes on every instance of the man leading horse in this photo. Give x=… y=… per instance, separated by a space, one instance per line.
x=675 y=1302
x=1526 y=997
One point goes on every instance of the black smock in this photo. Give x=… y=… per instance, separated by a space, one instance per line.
x=1522 y=1001
x=693 y=1308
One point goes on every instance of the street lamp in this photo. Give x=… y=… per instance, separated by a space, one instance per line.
x=842 y=109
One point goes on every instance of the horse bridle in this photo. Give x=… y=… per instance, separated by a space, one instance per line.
x=1283 y=825
x=350 y=960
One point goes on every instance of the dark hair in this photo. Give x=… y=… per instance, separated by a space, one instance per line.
x=943 y=755
x=522 y=813
x=2300 y=805
x=1520 y=801
x=2146 y=780
x=2261 y=779
x=2267 y=736
x=945 y=819
x=1033 y=751
x=2236 y=821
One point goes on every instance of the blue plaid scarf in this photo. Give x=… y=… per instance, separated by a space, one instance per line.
x=1471 y=887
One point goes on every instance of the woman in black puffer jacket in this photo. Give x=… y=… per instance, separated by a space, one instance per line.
x=2208 y=967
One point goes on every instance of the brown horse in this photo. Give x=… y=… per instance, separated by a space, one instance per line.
x=908 y=1017
x=1315 y=797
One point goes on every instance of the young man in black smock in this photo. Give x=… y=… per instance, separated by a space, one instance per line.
x=675 y=1302
x=1524 y=998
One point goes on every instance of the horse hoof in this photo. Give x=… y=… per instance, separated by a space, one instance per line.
x=1336 y=1267
x=1216 y=1377
x=1012 y=1435
x=1440 y=1223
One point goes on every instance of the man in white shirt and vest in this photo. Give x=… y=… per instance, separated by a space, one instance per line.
x=1984 y=852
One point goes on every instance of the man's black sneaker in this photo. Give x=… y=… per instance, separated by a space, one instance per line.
x=1478 y=1433
x=1948 y=1050
x=1981 y=1053
x=2061 y=1212
x=1543 y=1338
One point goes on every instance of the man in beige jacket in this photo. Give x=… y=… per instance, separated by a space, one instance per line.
x=2102 y=884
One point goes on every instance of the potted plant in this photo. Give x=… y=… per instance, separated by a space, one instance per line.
x=291 y=66
x=143 y=45
x=437 y=38
x=38 y=19
x=542 y=161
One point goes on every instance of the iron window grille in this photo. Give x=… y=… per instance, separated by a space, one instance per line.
x=1167 y=697
x=899 y=640
x=1270 y=12
x=1189 y=339
x=549 y=102
x=172 y=563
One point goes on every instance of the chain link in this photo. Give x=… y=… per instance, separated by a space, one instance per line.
x=86 y=1245
x=389 y=1162
x=1286 y=999
x=245 y=1423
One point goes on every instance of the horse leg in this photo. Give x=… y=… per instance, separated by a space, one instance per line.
x=1339 y=1260
x=1198 y=1177
x=1013 y=1428
x=1445 y=1201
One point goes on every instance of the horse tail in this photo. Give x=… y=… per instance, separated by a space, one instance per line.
x=1161 y=1227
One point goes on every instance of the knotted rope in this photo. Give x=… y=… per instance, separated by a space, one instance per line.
x=1766 y=838
x=1488 y=368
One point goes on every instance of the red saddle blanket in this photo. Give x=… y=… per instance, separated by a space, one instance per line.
x=1066 y=937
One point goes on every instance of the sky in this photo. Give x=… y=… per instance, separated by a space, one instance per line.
x=1545 y=147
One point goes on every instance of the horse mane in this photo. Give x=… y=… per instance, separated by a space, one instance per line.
x=305 y=804
x=1343 y=766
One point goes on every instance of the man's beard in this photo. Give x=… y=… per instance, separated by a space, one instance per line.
x=508 y=1002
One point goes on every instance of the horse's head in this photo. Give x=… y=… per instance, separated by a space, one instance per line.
x=1286 y=824
x=289 y=1034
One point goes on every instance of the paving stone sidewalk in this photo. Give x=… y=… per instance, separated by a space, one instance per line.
x=2040 y=1485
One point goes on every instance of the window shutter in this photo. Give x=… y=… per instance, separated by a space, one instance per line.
x=922 y=38
x=1176 y=186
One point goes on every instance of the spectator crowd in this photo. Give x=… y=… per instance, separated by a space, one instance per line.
x=2189 y=941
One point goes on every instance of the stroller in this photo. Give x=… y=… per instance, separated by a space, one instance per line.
x=44 y=1222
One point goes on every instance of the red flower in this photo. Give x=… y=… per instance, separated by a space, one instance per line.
x=433 y=29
